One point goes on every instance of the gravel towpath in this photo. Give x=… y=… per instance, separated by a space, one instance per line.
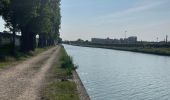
x=23 y=81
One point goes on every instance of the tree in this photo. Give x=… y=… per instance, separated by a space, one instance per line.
x=56 y=19
x=50 y=17
x=32 y=17
x=18 y=15
x=8 y=12
x=28 y=12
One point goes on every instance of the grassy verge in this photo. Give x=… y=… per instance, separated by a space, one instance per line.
x=148 y=50
x=7 y=59
x=60 y=84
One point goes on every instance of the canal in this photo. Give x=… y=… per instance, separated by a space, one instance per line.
x=122 y=75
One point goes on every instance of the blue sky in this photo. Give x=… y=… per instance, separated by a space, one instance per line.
x=147 y=19
x=1 y=24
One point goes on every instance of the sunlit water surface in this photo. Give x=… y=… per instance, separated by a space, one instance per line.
x=121 y=75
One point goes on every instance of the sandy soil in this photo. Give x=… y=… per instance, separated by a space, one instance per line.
x=23 y=81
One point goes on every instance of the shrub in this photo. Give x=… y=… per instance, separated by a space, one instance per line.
x=67 y=62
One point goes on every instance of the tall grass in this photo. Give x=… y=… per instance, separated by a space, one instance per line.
x=67 y=62
x=60 y=84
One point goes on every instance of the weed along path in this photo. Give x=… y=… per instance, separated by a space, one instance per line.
x=24 y=81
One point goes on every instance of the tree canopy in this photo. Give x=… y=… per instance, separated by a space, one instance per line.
x=31 y=18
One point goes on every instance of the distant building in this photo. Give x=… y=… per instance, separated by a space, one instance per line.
x=6 y=38
x=102 y=41
x=130 y=40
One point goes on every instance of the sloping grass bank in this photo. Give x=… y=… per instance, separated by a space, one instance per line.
x=60 y=84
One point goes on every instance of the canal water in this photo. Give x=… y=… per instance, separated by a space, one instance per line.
x=122 y=75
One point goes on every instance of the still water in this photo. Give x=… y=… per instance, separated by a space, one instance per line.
x=121 y=75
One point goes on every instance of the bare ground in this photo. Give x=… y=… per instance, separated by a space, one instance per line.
x=23 y=81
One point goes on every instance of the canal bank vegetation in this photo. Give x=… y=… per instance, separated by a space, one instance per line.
x=158 y=49
x=60 y=84
x=67 y=62
x=149 y=50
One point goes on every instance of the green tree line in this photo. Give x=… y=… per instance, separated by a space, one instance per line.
x=31 y=18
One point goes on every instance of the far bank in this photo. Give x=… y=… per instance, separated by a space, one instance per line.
x=165 y=51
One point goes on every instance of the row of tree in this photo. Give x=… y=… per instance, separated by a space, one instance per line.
x=31 y=18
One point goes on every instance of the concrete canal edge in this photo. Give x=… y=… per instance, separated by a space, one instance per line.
x=80 y=87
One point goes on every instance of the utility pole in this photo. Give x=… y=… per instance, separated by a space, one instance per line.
x=125 y=34
x=166 y=38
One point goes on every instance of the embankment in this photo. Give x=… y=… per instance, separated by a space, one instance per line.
x=63 y=82
x=165 y=51
x=80 y=87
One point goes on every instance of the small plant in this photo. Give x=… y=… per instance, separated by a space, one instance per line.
x=67 y=62
x=61 y=85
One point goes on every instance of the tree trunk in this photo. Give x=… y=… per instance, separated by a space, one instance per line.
x=13 y=42
x=42 y=41
x=32 y=39
x=25 y=42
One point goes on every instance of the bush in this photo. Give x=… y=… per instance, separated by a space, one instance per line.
x=67 y=62
x=5 y=50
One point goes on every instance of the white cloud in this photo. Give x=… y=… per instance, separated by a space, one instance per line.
x=138 y=8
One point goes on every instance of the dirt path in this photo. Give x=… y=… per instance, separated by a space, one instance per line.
x=23 y=81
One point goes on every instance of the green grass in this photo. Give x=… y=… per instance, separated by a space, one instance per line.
x=63 y=90
x=66 y=62
x=2 y=64
x=7 y=59
x=60 y=84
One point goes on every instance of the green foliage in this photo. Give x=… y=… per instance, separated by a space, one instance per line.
x=48 y=21
x=32 y=17
x=60 y=85
x=5 y=51
x=64 y=90
x=67 y=62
